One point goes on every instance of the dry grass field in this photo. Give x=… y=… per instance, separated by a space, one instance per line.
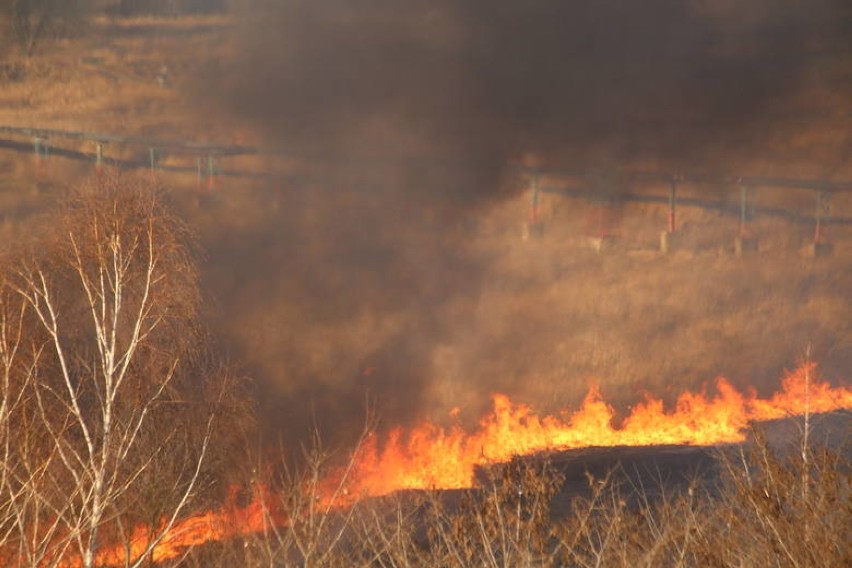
x=338 y=299
x=536 y=318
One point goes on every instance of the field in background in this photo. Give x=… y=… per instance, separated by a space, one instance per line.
x=537 y=317
x=543 y=317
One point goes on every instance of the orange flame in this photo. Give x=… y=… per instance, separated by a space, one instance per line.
x=260 y=515
x=433 y=457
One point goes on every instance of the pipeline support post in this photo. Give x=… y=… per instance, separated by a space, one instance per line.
x=534 y=226
x=534 y=200
x=823 y=214
x=211 y=173
x=41 y=147
x=672 y=204
x=154 y=159
x=821 y=246
x=667 y=237
x=99 y=156
x=745 y=242
x=604 y=237
x=42 y=150
x=206 y=168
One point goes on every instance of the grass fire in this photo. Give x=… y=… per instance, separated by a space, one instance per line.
x=425 y=283
x=431 y=458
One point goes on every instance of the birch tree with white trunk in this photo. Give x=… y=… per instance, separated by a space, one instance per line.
x=98 y=335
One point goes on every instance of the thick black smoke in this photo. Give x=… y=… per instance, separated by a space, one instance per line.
x=476 y=83
x=408 y=114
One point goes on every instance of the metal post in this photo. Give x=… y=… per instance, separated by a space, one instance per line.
x=152 y=152
x=99 y=155
x=535 y=199
x=200 y=175
x=745 y=191
x=745 y=242
x=823 y=211
x=211 y=173
x=41 y=147
x=818 y=229
x=672 y=204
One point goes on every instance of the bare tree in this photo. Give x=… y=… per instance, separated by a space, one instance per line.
x=96 y=356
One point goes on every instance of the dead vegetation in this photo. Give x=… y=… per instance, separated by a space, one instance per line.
x=113 y=413
x=545 y=316
x=769 y=507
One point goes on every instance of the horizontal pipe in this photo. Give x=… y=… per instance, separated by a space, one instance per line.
x=207 y=149
x=172 y=146
x=730 y=209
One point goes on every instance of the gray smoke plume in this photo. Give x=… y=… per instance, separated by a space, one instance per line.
x=476 y=83
x=411 y=113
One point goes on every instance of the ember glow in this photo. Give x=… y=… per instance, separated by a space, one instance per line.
x=434 y=457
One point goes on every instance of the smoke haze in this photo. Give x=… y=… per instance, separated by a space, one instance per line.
x=478 y=83
x=411 y=113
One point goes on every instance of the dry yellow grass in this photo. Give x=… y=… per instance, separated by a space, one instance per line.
x=539 y=319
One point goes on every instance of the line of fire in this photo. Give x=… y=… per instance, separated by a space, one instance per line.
x=425 y=283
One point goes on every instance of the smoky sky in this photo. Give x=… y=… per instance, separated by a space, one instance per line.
x=407 y=116
x=472 y=84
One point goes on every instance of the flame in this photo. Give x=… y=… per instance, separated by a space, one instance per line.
x=434 y=457
x=232 y=520
x=229 y=522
